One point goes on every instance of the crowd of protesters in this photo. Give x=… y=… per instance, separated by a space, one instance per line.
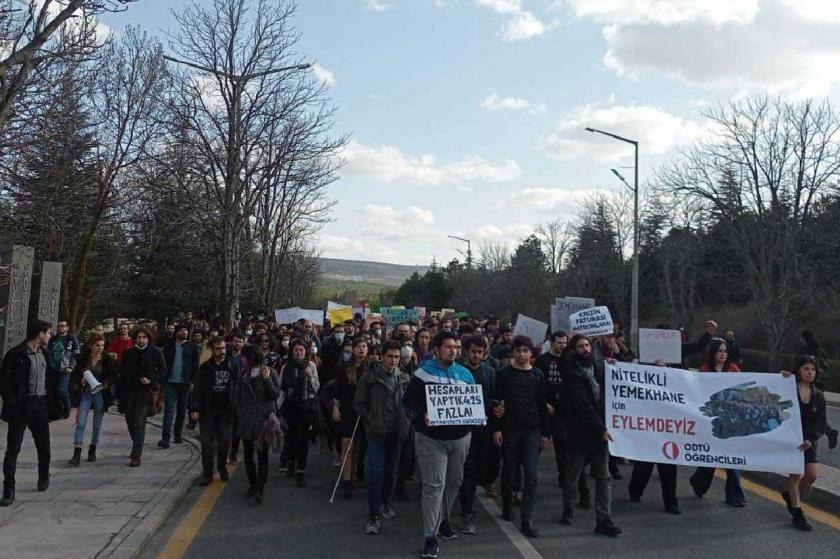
x=361 y=387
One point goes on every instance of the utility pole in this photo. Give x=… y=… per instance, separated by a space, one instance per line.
x=469 y=249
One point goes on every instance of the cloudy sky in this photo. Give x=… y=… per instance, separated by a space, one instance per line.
x=467 y=116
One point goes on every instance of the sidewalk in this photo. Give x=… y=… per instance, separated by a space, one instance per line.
x=96 y=510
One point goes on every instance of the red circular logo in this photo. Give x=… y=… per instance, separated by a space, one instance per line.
x=671 y=450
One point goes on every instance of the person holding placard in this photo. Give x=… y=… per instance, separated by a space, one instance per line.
x=719 y=361
x=586 y=434
x=93 y=361
x=812 y=412
x=441 y=450
x=522 y=431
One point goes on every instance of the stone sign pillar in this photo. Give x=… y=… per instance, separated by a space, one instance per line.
x=50 y=293
x=15 y=290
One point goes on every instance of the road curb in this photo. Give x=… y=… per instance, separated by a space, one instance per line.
x=131 y=540
x=819 y=497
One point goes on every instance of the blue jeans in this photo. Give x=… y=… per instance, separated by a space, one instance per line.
x=702 y=479
x=87 y=402
x=382 y=461
x=174 y=395
x=520 y=448
x=64 y=389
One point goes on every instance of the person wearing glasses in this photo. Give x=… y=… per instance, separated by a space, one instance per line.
x=719 y=361
x=212 y=407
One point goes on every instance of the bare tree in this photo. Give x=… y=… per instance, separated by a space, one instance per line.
x=27 y=32
x=493 y=256
x=761 y=175
x=237 y=109
x=126 y=101
x=556 y=237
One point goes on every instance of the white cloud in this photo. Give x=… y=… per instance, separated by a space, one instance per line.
x=510 y=233
x=656 y=130
x=550 y=200
x=521 y=24
x=323 y=75
x=337 y=244
x=377 y=5
x=386 y=222
x=494 y=103
x=665 y=11
x=389 y=164
x=781 y=45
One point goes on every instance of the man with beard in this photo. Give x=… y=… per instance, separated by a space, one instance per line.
x=586 y=434
x=182 y=357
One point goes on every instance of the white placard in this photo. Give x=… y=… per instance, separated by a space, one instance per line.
x=596 y=321
x=286 y=316
x=315 y=315
x=660 y=344
x=534 y=329
x=562 y=309
x=455 y=404
x=742 y=421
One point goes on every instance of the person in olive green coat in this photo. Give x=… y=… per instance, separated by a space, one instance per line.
x=378 y=402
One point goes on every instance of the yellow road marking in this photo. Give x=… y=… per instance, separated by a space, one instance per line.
x=774 y=496
x=183 y=536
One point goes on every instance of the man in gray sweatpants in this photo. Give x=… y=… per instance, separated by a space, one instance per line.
x=441 y=451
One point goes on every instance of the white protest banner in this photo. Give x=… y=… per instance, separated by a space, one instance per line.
x=534 y=329
x=286 y=316
x=660 y=344
x=455 y=404
x=743 y=421
x=596 y=321
x=315 y=315
x=562 y=309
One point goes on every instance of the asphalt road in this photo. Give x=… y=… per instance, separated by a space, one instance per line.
x=294 y=522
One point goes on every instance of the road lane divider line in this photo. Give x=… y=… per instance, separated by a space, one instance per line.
x=520 y=542
x=811 y=512
x=186 y=531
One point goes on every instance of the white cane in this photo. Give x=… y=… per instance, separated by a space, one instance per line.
x=344 y=462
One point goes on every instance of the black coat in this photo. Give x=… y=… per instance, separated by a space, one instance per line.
x=137 y=364
x=582 y=411
x=190 y=356
x=814 y=421
x=203 y=389
x=14 y=385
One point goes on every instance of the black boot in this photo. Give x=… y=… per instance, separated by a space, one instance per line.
x=43 y=483
x=529 y=530
x=92 y=453
x=568 y=517
x=799 y=520
x=77 y=457
x=8 y=497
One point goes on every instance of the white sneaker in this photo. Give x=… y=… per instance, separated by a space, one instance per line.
x=372 y=528
x=388 y=512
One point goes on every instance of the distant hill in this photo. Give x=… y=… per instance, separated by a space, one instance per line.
x=378 y=273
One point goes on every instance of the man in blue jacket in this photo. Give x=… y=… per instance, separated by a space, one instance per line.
x=440 y=450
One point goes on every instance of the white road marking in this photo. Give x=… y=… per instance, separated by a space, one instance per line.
x=519 y=541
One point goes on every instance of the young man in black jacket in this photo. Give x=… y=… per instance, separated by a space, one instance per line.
x=212 y=407
x=181 y=364
x=23 y=386
x=522 y=431
x=143 y=368
x=586 y=434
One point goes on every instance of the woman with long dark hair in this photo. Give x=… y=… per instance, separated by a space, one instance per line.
x=255 y=405
x=719 y=361
x=344 y=415
x=90 y=386
x=300 y=385
x=423 y=346
x=813 y=415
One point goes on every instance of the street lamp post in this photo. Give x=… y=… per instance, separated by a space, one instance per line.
x=469 y=249
x=634 y=295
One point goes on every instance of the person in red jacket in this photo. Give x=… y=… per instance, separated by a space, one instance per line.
x=119 y=344
x=719 y=361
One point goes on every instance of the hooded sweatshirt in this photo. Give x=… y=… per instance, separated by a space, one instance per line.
x=414 y=400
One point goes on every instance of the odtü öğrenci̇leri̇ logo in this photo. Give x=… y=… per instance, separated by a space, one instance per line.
x=744 y=410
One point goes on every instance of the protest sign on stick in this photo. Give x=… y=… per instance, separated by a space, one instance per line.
x=534 y=329
x=596 y=321
x=664 y=345
x=562 y=309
